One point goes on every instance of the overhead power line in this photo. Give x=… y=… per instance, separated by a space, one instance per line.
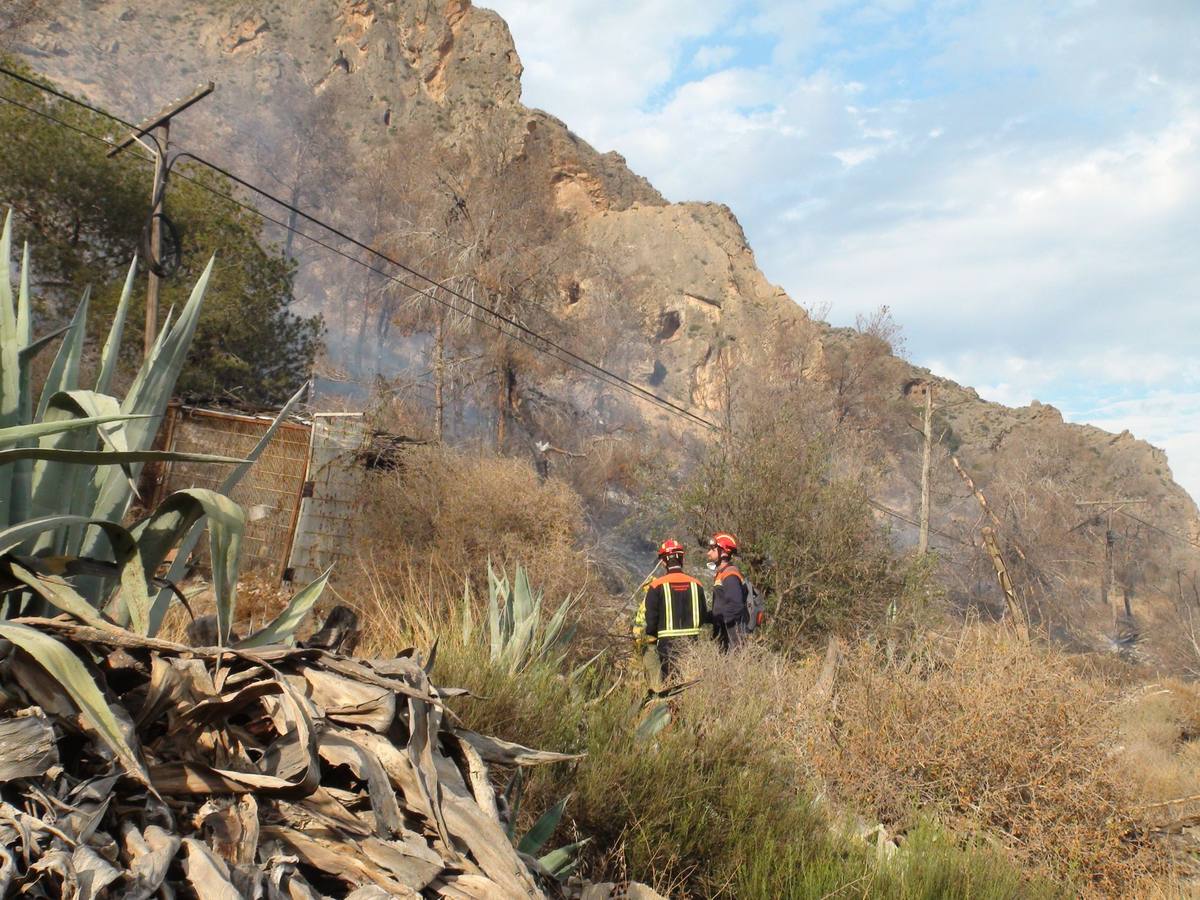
x=1152 y=526
x=523 y=337
x=485 y=315
x=57 y=93
x=888 y=511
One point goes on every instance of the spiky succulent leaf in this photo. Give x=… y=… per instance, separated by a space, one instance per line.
x=59 y=594
x=111 y=457
x=163 y=601
x=543 y=828
x=565 y=860
x=64 y=372
x=112 y=346
x=497 y=591
x=33 y=348
x=167 y=525
x=66 y=487
x=120 y=542
x=22 y=489
x=10 y=364
x=655 y=720
x=282 y=629
x=20 y=433
x=149 y=395
x=66 y=669
x=24 y=317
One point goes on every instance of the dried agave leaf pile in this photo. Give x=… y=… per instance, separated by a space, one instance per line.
x=277 y=772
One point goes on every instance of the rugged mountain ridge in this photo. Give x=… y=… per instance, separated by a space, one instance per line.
x=321 y=100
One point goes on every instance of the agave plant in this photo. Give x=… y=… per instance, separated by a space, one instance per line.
x=68 y=473
x=518 y=635
x=558 y=864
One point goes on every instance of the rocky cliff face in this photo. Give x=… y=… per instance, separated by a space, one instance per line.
x=318 y=99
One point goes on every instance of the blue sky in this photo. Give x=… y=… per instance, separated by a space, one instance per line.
x=1019 y=181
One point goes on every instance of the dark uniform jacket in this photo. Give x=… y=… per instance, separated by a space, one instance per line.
x=676 y=606
x=729 y=594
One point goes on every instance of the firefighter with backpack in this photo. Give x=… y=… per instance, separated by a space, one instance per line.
x=736 y=608
x=676 y=609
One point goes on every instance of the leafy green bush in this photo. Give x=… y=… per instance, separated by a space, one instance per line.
x=789 y=486
x=84 y=215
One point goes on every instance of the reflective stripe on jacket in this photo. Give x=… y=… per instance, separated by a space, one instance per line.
x=675 y=607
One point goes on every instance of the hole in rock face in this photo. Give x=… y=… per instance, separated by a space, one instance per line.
x=668 y=324
x=657 y=376
x=573 y=292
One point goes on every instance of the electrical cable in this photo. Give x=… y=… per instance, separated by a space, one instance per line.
x=531 y=337
x=1178 y=537
x=523 y=333
x=903 y=518
x=588 y=365
x=665 y=405
x=57 y=93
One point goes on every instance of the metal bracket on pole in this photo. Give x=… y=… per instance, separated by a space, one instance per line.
x=164 y=117
x=162 y=165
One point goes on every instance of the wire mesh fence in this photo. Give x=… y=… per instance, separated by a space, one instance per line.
x=270 y=491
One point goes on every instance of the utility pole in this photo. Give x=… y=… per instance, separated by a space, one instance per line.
x=923 y=537
x=439 y=373
x=1018 y=616
x=162 y=166
x=1109 y=508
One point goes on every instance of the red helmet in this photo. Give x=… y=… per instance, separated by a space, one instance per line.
x=724 y=541
x=670 y=547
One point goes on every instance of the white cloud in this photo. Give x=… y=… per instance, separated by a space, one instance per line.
x=713 y=56
x=592 y=62
x=1019 y=181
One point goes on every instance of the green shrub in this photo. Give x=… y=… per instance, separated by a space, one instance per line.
x=792 y=486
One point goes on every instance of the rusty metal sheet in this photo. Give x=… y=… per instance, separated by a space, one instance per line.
x=324 y=528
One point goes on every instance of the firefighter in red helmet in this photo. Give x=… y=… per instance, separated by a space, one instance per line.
x=676 y=608
x=729 y=612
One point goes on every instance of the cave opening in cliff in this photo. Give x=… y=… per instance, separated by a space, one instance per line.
x=668 y=324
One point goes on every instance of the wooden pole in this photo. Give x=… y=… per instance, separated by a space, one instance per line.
x=1106 y=576
x=982 y=500
x=156 y=198
x=923 y=535
x=160 y=121
x=1015 y=612
x=1108 y=573
x=439 y=377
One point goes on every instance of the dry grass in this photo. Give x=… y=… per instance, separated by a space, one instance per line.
x=1000 y=742
x=994 y=738
x=1159 y=750
x=450 y=511
x=260 y=598
x=1159 y=756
